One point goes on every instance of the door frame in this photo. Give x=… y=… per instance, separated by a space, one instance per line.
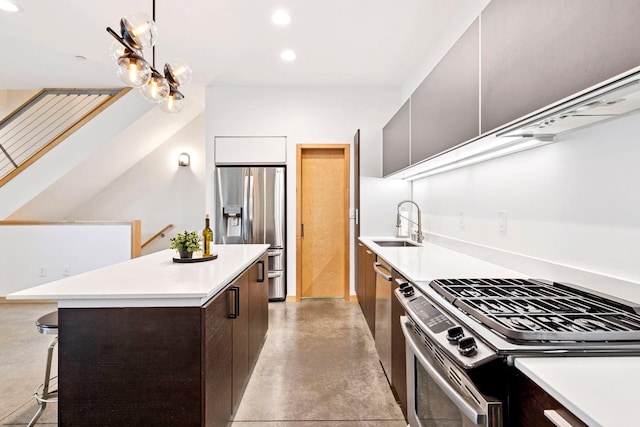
x=347 y=195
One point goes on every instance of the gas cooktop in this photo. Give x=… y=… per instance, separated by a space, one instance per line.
x=527 y=310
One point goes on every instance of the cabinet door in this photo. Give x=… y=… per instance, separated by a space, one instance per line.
x=217 y=364
x=530 y=405
x=398 y=351
x=534 y=53
x=240 y=337
x=360 y=284
x=258 y=308
x=445 y=107
x=370 y=292
x=395 y=142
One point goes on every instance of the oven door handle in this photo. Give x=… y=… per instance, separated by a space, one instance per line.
x=463 y=405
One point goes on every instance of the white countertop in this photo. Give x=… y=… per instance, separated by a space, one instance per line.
x=601 y=391
x=429 y=262
x=150 y=281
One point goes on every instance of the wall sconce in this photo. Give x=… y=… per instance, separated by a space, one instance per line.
x=184 y=159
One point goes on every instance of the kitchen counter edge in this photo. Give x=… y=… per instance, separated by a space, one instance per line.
x=152 y=280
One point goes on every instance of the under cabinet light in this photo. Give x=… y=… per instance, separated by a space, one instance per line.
x=472 y=153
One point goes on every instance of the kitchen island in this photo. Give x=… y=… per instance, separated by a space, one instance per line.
x=153 y=342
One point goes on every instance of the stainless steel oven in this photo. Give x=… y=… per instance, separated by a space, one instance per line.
x=462 y=336
x=438 y=392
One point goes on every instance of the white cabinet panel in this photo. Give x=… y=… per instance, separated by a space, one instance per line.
x=248 y=150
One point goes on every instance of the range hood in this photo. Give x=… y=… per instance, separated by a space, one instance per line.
x=604 y=103
x=607 y=101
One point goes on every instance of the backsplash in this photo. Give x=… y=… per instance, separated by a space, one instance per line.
x=573 y=203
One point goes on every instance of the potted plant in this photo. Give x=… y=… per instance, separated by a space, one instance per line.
x=186 y=243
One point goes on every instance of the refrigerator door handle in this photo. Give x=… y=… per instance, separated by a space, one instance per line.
x=247 y=206
x=250 y=209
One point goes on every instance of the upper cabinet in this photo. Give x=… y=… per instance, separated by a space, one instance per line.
x=535 y=53
x=395 y=141
x=445 y=107
x=516 y=59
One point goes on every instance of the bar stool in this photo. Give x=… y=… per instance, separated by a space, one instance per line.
x=48 y=325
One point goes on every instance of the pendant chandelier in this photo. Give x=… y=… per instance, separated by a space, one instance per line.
x=139 y=32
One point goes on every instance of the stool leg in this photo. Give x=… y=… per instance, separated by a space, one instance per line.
x=45 y=387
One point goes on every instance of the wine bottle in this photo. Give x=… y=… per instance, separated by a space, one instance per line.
x=207 y=237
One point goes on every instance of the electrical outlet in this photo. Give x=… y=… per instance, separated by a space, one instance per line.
x=42 y=271
x=502 y=221
x=461 y=218
x=66 y=270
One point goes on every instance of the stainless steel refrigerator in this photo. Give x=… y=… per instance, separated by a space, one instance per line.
x=250 y=204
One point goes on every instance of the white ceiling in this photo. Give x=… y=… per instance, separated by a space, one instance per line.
x=233 y=42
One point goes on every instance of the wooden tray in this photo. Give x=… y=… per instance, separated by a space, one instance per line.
x=192 y=260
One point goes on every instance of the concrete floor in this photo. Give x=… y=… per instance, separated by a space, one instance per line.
x=23 y=356
x=318 y=368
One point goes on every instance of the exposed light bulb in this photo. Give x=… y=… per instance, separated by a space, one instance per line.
x=172 y=105
x=133 y=70
x=156 y=90
x=179 y=71
x=139 y=30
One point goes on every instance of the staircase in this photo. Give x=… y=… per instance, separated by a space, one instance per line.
x=44 y=121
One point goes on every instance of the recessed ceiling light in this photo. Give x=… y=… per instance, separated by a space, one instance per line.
x=288 y=55
x=9 y=6
x=281 y=17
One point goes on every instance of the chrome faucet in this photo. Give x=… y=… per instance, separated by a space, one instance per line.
x=419 y=235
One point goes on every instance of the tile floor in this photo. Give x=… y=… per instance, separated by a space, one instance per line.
x=318 y=368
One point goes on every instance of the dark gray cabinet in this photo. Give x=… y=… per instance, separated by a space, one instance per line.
x=396 y=142
x=535 y=53
x=445 y=107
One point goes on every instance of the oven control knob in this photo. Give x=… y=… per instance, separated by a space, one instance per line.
x=404 y=286
x=407 y=291
x=454 y=334
x=467 y=346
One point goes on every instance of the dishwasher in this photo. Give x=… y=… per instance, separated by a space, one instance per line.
x=383 y=314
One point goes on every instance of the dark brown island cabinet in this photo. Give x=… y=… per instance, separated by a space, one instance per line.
x=162 y=366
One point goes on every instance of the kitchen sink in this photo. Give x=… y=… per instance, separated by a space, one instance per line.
x=395 y=243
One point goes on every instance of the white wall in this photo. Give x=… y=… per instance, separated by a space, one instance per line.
x=69 y=154
x=573 y=203
x=305 y=116
x=39 y=253
x=157 y=191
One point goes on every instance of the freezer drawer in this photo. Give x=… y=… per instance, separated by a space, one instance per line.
x=276 y=259
x=277 y=288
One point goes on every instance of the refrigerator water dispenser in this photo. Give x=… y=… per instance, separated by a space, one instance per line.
x=233 y=217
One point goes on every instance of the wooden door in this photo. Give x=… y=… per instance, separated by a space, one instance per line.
x=323 y=221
